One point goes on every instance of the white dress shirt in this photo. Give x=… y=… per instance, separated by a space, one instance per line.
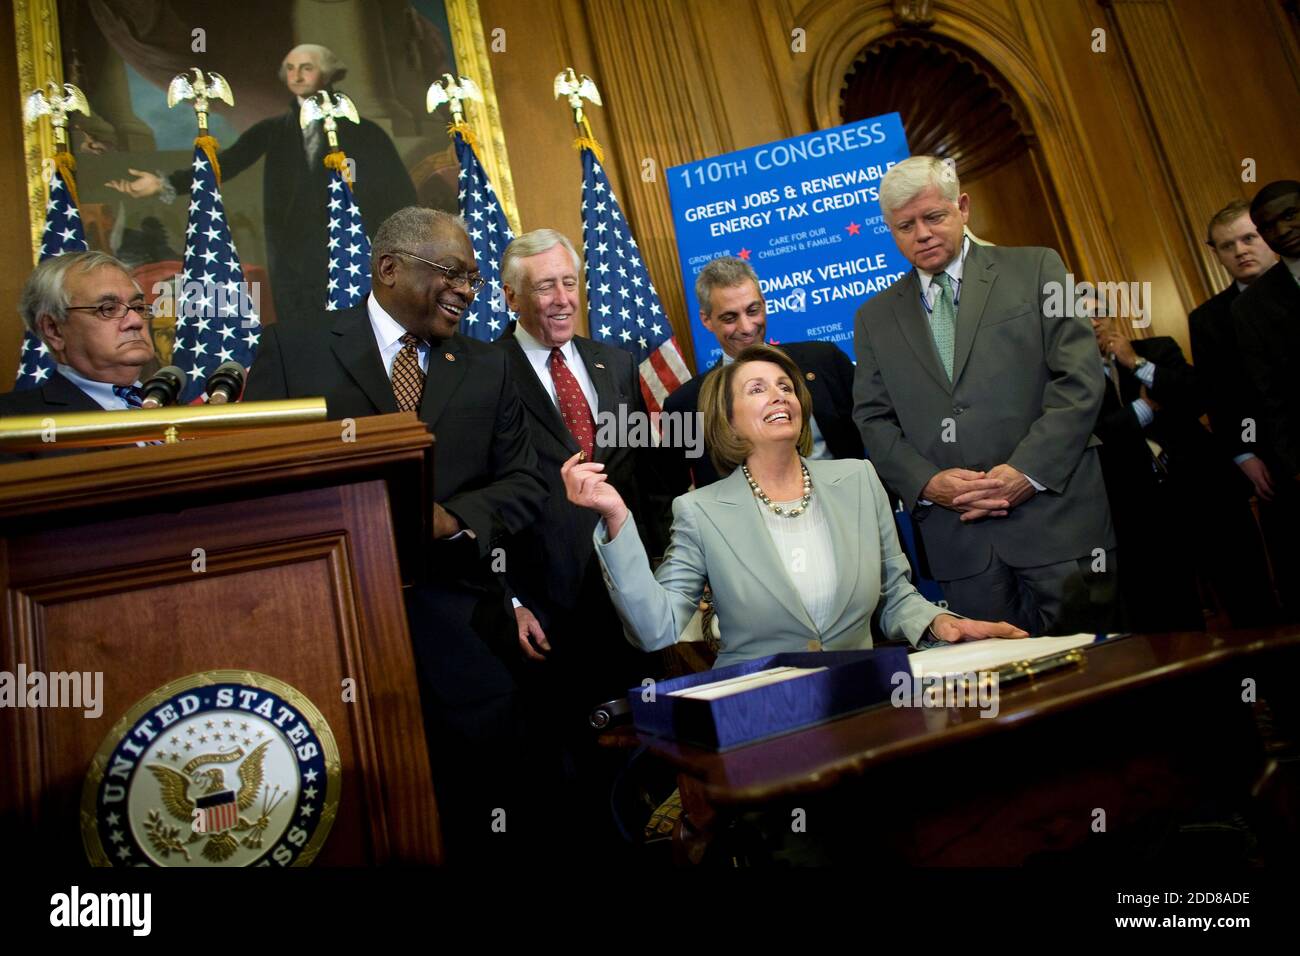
x=539 y=357
x=803 y=543
x=930 y=291
x=388 y=336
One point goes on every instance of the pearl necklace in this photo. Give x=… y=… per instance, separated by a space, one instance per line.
x=777 y=509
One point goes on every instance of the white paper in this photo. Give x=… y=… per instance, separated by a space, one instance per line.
x=744 y=682
x=991 y=654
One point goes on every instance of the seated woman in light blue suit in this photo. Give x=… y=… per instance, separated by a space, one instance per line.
x=799 y=554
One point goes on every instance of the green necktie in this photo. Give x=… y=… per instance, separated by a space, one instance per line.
x=943 y=321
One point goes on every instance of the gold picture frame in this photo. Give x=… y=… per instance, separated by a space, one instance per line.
x=40 y=60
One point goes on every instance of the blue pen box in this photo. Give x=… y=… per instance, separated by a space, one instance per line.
x=851 y=681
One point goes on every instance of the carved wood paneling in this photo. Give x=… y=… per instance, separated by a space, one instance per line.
x=1194 y=159
x=962 y=112
x=651 y=63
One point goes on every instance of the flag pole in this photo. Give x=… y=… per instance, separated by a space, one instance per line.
x=348 y=272
x=575 y=89
x=64 y=230
x=485 y=220
x=215 y=310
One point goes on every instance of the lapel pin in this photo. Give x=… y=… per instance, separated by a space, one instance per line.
x=810 y=376
x=448 y=356
x=600 y=365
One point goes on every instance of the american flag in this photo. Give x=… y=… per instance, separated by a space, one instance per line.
x=622 y=305
x=63 y=233
x=349 y=247
x=489 y=232
x=218 y=812
x=216 y=315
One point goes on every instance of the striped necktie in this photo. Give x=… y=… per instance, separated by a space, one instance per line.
x=130 y=394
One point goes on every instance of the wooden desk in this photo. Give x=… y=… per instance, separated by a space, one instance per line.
x=1150 y=730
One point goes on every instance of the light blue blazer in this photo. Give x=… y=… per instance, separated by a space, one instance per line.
x=719 y=538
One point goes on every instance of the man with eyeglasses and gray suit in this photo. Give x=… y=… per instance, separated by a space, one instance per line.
x=92 y=317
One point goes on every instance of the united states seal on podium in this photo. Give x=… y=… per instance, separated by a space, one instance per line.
x=219 y=768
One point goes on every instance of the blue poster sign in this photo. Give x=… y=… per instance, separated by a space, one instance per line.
x=805 y=213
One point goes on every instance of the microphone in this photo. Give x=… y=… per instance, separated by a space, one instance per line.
x=226 y=383
x=163 y=387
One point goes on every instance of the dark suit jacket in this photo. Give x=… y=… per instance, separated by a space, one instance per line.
x=1026 y=389
x=485 y=468
x=1156 y=573
x=1267 y=320
x=53 y=396
x=548 y=562
x=1176 y=426
x=295 y=199
x=828 y=373
x=1229 y=395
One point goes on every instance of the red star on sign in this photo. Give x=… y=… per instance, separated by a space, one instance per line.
x=853 y=228
x=744 y=254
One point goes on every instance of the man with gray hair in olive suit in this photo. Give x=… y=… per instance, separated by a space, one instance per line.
x=978 y=403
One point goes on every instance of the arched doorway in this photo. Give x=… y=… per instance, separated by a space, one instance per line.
x=955 y=105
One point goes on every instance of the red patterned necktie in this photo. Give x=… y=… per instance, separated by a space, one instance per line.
x=573 y=404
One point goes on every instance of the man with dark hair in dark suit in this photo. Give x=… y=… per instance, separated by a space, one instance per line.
x=1158 y=462
x=400 y=351
x=575 y=392
x=295 y=192
x=1267 y=321
x=732 y=308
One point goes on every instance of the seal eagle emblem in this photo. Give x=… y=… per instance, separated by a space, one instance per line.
x=220 y=768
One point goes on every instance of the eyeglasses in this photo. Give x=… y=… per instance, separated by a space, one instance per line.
x=455 y=276
x=115 y=310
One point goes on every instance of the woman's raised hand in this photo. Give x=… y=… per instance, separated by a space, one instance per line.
x=588 y=486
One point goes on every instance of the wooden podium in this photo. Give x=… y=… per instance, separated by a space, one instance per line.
x=273 y=551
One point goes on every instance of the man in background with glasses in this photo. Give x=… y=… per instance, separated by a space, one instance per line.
x=92 y=317
x=400 y=351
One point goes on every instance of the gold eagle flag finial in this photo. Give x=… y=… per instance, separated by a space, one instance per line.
x=55 y=102
x=328 y=108
x=576 y=88
x=202 y=89
x=454 y=90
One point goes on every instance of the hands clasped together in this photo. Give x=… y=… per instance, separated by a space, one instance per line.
x=979 y=494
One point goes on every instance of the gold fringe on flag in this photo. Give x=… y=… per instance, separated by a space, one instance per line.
x=587 y=140
x=209 y=146
x=338 y=161
x=66 y=165
x=466 y=134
